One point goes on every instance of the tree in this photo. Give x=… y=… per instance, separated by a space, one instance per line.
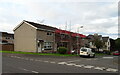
x=117 y=44
x=98 y=43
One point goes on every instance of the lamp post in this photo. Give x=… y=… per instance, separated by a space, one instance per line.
x=78 y=39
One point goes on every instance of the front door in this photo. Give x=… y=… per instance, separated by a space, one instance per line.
x=39 y=47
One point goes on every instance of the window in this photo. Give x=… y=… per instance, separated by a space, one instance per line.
x=47 y=45
x=49 y=33
x=84 y=50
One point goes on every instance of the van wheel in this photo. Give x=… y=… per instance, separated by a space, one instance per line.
x=89 y=55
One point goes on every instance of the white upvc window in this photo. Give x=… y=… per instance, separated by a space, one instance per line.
x=48 y=45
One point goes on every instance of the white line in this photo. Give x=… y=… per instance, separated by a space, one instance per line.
x=78 y=65
x=110 y=69
x=108 y=57
x=100 y=68
x=25 y=69
x=35 y=72
x=88 y=66
x=71 y=64
x=61 y=63
x=73 y=60
x=17 y=57
x=52 y=62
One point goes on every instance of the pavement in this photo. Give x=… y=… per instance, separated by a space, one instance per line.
x=26 y=63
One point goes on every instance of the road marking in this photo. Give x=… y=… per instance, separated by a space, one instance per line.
x=70 y=64
x=88 y=66
x=12 y=56
x=73 y=61
x=45 y=61
x=108 y=57
x=25 y=69
x=35 y=72
x=29 y=70
x=100 y=68
x=110 y=69
x=62 y=63
x=52 y=62
x=37 y=60
x=78 y=65
x=17 y=57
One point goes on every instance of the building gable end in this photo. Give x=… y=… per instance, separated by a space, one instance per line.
x=21 y=24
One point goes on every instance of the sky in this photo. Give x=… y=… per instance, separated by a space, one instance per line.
x=96 y=16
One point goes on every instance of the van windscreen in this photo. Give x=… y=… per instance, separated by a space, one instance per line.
x=84 y=50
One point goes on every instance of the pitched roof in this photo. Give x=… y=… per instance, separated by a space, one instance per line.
x=105 y=39
x=41 y=26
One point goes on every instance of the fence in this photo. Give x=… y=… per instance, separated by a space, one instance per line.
x=7 y=47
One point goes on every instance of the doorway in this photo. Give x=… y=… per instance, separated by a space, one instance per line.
x=39 y=47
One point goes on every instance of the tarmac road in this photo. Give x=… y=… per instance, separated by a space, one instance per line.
x=24 y=63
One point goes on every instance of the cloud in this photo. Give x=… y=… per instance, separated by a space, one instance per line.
x=95 y=17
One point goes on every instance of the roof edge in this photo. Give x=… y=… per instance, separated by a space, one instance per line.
x=21 y=24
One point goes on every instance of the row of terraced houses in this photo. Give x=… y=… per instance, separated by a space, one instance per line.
x=34 y=37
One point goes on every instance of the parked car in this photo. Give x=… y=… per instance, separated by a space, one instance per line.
x=86 y=52
x=72 y=51
x=116 y=53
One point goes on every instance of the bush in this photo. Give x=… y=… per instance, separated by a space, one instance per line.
x=62 y=50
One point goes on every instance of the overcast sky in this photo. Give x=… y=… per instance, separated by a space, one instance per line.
x=95 y=17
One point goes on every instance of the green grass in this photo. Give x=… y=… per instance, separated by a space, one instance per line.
x=53 y=54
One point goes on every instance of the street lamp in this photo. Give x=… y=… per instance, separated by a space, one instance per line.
x=78 y=39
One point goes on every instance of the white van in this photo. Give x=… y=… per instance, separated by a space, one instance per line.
x=86 y=52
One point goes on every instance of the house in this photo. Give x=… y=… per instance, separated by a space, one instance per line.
x=112 y=45
x=7 y=41
x=92 y=38
x=106 y=41
x=70 y=40
x=34 y=37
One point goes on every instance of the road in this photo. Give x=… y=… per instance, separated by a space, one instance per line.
x=24 y=63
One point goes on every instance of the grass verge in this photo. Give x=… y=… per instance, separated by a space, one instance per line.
x=53 y=54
